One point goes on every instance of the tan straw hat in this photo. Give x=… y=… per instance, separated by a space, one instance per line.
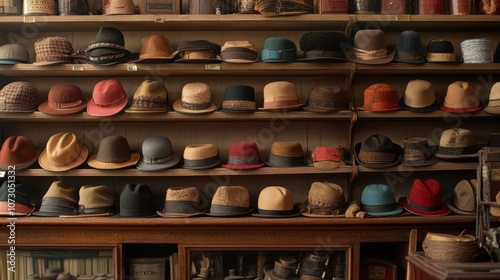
x=201 y=156
x=196 y=98
x=63 y=152
x=279 y=96
x=275 y=202
x=114 y=153
x=457 y=144
x=324 y=200
x=230 y=201
x=183 y=202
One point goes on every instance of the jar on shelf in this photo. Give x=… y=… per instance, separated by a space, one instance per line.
x=461 y=7
x=39 y=7
x=430 y=7
x=364 y=6
x=490 y=7
x=394 y=7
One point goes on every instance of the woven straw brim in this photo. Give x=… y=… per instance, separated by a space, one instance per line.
x=398 y=155
x=180 y=109
x=23 y=165
x=305 y=213
x=44 y=162
x=326 y=165
x=93 y=162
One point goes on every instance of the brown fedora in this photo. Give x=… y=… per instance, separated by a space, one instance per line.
x=327 y=99
x=417 y=152
x=463 y=198
x=230 y=201
x=60 y=199
x=63 y=152
x=63 y=99
x=155 y=49
x=461 y=98
x=183 y=202
x=150 y=97
x=114 y=153
x=286 y=154
x=95 y=201
x=324 y=200
x=196 y=98
x=370 y=47
x=275 y=202
x=378 y=151
x=201 y=156
x=280 y=96
x=18 y=151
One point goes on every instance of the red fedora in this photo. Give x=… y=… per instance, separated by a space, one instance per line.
x=108 y=98
x=243 y=155
x=19 y=151
x=425 y=198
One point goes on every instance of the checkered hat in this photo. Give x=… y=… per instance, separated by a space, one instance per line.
x=18 y=97
x=53 y=50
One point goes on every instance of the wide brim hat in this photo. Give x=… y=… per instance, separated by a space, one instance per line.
x=107 y=110
x=179 y=108
x=98 y=111
x=94 y=163
x=398 y=150
x=45 y=164
x=442 y=211
x=176 y=158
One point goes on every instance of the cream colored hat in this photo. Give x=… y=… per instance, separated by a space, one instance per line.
x=196 y=98
x=324 y=200
x=63 y=152
x=456 y=144
x=493 y=106
x=280 y=95
x=461 y=98
x=495 y=210
x=275 y=202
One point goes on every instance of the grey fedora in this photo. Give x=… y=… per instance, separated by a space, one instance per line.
x=157 y=154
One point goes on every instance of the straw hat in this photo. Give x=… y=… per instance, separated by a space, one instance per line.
x=419 y=97
x=150 y=97
x=425 y=198
x=19 y=151
x=327 y=99
x=457 y=144
x=108 y=98
x=461 y=98
x=196 y=98
x=119 y=7
x=96 y=201
x=60 y=199
x=378 y=151
x=286 y=154
x=243 y=155
x=323 y=157
x=493 y=106
x=201 y=156
x=18 y=97
x=324 y=200
x=183 y=202
x=230 y=201
x=157 y=154
x=63 y=152
x=417 y=152
x=380 y=97
x=280 y=96
x=275 y=202
x=63 y=99
x=155 y=49
x=379 y=200
x=463 y=199
x=22 y=202
x=370 y=47
x=113 y=153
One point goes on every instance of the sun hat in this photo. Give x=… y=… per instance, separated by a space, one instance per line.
x=441 y=51
x=13 y=54
x=150 y=97
x=457 y=144
x=323 y=46
x=419 y=97
x=113 y=153
x=18 y=151
x=409 y=48
x=324 y=157
x=19 y=97
x=278 y=49
x=286 y=154
x=238 y=99
x=378 y=200
x=239 y=52
x=463 y=197
x=380 y=97
x=64 y=99
x=200 y=156
x=53 y=50
x=60 y=199
x=62 y=153
x=243 y=155
x=22 y=205
x=493 y=106
x=137 y=200
x=425 y=198
x=119 y=7
x=324 y=200
x=275 y=202
x=198 y=51
x=184 y=202
x=95 y=201
x=327 y=99
x=284 y=268
x=277 y=8
x=417 y=152
x=157 y=154
x=378 y=151
x=108 y=98
x=230 y=201
x=370 y=47
x=155 y=48
x=196 y=98
x=280 y=96
x=108 y=47
x=461 y=98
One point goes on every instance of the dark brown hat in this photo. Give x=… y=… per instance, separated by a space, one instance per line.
x=323 y=46
x=114 y=153
x=327 y=99
x=370 y=47
x=378 y=151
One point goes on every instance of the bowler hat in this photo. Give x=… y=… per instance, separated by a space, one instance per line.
x=461 y=98
x=286 y=154
x=113 y=153
x=239 y=52
x=327 y=99
x=108 y=47
x=157 y=154
x=463 y=197
x=419 y=97
x=201 y=156
x=380 y=97
x=323 y=46
x=19 y=97
x=63 y=99
x=278 y=49
x=284 y=268
x=243 y=155
x=62 y=153
x=60 y=199
x=275 y=202
x=13 y=54
x=441 y=51
x=280 y=96
x=53 y=50
x=198 y=51
x=108 y=98
x=409 y=48
x=155 y=49
x=95 y=201
x=324 y=200
x=184 y=202
x=370 y=47
x=417 y=152
x=18 y=151
x=457 y=144
x=425 y=198
x=196 y=98
x=378 y=151
x=379 y=200
x=137 y=200
x=238 y=99
x=493 y=106
x=230 y=201
x=150 y=97
x=22 y=206
x=324 y=157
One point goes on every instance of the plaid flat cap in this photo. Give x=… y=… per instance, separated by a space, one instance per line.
x=18 y=97
x=53 y=50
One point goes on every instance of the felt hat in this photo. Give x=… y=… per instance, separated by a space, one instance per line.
x=425 y=198
x=108 y=47
x=379 y=200
x=60 y=199
x=23 y=205
x=113 y=153
x=370 y=47
x=417 y=152
x=200 y=156
x=380 y=97
x=18 y=97
x=378 y=151
x=243 y=155
x=495 y=210
x=419 y=97
x=409 y=48
x=196 y=98
x=184 y=202
x=457 y=144
x=13 y=54
x=276 y=8
x=119 y=7
x=137 y=200
x=463 y=197
x=324 y=200
x=280 y=96
x=324 y=157
x=284 y=268
x=62 y=153
x=286 y=154
x=461 y=97
x=63 y=99
x=319 y=46
x=53 y=50
x=441 y=51
x=275 y=202
x=18 y=151
x=238 y=99
x=230 y=201
x=108 y=98
x=95 y=201
x=493 y=106
x=157 y=154
x=327 y=99
x=198 y=51
x=239 y=52
x=150 y=97
x=278 y=49
x=155 y=49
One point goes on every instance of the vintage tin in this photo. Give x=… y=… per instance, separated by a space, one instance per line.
x=394 y=7
x=430 y=7
x=334 y=6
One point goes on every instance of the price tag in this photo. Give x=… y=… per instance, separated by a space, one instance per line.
x=29 y=19
x=2 y=174
x=132 y=68
x=212 y=67
x=78 y=68
x=159 y=19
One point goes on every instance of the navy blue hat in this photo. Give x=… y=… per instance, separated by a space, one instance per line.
x=409 y=48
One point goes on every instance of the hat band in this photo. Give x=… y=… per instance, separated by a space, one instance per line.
x=441 y=56
x=54 y=57
x=58 y=205
x=243 y=160
x=276 y=212
x=226 y=209
x=323 y=54
x=182 y=207
x=410 y=55
x=239 y=53
x=288 y=55
x=66 y=105
x=196 y=106
x=200 y=162
x=152 y=160
x=111 y=104
x=377 y=157
x=106 y=57
x=105 y=45
x=241 y=104
x=369 y=55
x=494 y=102
x=137 y=212
x=146 y=102
x=327 y=104
x=423 y=208
x=96 y=210
x=285 y=161
x=281 y=103
x=457 y=151
x=380 y=208
x=417 y=154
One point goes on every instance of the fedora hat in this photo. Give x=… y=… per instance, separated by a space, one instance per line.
x=284 y=268
x=196 y=98
x=95 y=201
x=62 y=153
x=22 y=203
x=201 y=156
x=324 y=157
x=457 y=144
x=150 y=97
x=280 y=96
x=243 y=155
x=324 y=200
x=323 y=46
x=461 y=98
x=18 y=97
x=53 y=50
x=157 y=154
x=275 y=202
x=417 y=152
x=13 y=54
x=441 y=51
x=378 y=200
x=137 y=200
x=108 y=98
x=184 y=202
x=286 y=154
x=63 y=99
x=425 y=198
x=409 y=48
x=19 y=151
x=419 y=97
x=108 y=47
x=495 y=210
x=327 y=99
x=378 y=151
x=198 y=51
x=230 y=201
x=239 y=52
x=370 y=47
x=278 y=49
x=380 y=97
x=155 y=49
x=60 y=199
x=463 y=198
x=493 y=106
x=113 y=153
x=238 y=99
x=119 y=7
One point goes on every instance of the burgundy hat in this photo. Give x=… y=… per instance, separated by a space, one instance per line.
x=63 y=99
x=425 y=199
x=243 y=155
x=19 y=151
x=108 y=98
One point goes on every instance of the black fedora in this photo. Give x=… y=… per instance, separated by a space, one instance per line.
x=108 y=48
x=441 y=51
x=137 y=201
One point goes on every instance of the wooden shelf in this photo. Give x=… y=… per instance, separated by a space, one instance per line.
x=409 y=116
x=441 y=69
x=439 y=166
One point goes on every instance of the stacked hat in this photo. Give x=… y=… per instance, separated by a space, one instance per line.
x=379 y=200
x=378 y=151
x=327 y=99
x=137 y=200
x=457 y=144
x=230 y=201
x=417 y=152
x=108 y=47
x=23 y=205
x=64 y=99
x=286 y=154
x=196 y=98
x=198 y=51
x=18 y=97
x=96 y=201
x=277 y=8
x=409 y=48
x=275 y=202
x=53 y=50
x=201 y=156
x=284 y=268
x=323 y=46
x=155 y=49
x=280 y=96
x=463 y=198
x=380 y=97
x=238 y=99
x=18 y=151
x=239 y=52
x=63 y=152
x=441 y=50
x=150 y=97
x=425 y=198
x=370 y=47
x=60 y=199
x=183 y=202
x=419 y=97
x=243 y=155
x=461 y=98
x=108 y=98
x=113 y=153
x=279 y=49
x=157 y=154
x=13 y=54
x=493 y=106
x=324 y=199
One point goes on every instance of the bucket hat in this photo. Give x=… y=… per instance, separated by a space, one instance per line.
x=18 y=97
x=457 y=144
x=198 y=51
x=419 y=97
x=108 y=98
x=196 y=98
x=280 y=96
x=201 y=156
x=22 y=202
x=409 y=48
x=11 y=54
x=441 y=51
x=53 y=50
x=230 y=201
x=278 y=49
x=378 y=200
x=63 y=99
x=119 y=7
x=323 y=46
x=417 y=152
x=239 y=52
x=60 y=199
x=277 y=8
x=275 y=202
x=461 y=98
x=243 y=155
x=155 y=48
x=62 y=153
x=284 y=268
x=327 y=99
x=137 y=201
x=19 y=151
x=493 y=106
x=378 y=151
x=324 y=200
x=463 y=197
x=324 y=157
x=183 y=202
x=238 y=99
x=380 y=97
x=108 y=47
x=157 y=154
x=425 y=198
x=286 y=154
x=150 y=97
x=113 y=153
x=370 y=47
x=95 y=201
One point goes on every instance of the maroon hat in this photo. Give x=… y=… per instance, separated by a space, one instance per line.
x=63 y=99
x=425 y=199
x=19 y=151
x=243 y=155
x=108 y=98
x=18 y=97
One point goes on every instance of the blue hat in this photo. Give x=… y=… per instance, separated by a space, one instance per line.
x=409 y=48
x=279 y=49
x=379 y=200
